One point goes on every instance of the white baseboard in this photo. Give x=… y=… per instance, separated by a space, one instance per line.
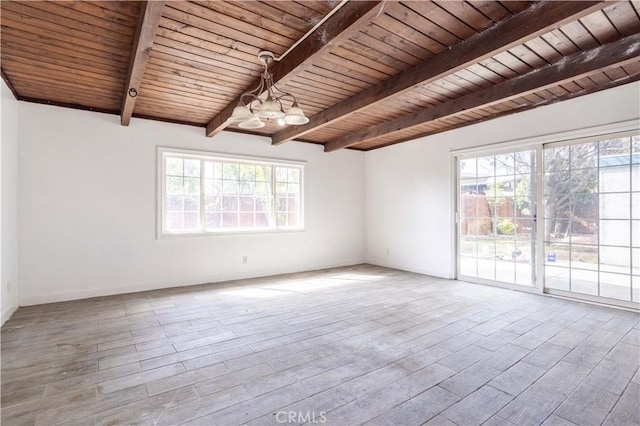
x=403 y=267
x=162 y=284
x=6 y=314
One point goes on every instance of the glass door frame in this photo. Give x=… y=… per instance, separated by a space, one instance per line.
x=541 y=265
x=489 y=151
x=537 y=145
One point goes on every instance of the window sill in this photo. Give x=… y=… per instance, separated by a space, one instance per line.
x=176 y=235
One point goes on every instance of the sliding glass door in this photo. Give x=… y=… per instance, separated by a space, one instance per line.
x=592 y=218
x=588 y=203
x=496 y=230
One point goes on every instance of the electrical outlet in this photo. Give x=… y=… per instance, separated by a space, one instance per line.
x=387 y=252
x=245 y=259
x=9 y=286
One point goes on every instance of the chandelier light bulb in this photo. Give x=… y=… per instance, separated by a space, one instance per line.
x=252 y=123
x=270 y=109
x=295 y=116
x=240 y=113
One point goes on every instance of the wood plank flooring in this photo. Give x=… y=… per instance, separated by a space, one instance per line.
x=344 y=346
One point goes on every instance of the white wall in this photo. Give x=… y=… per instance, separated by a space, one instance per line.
x=78 y=169
x=409 y=186
x=9 y=203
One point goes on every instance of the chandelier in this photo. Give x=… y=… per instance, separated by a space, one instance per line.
x=251 y=111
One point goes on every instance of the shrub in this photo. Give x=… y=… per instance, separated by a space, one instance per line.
x=506 y=227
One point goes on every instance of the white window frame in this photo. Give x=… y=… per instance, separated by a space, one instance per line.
x=164 y=152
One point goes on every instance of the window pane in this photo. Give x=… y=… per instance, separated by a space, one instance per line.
x=293 y=205
x=262 y=220
x=584 y=155
x=230 y=187
x=615 y=152
x=584 y=257
x=558 y=230
x=468 y=206
x=230 y=204
x=174 y=166
x=615 y=286
x=615 y=206
x=615 y=179
x=247 y=172
x=487 y=269
x=191 y=221
x=230 y=171
x=486 y=166
x=615 y=232
x=468 y=168
x=192 y=186
x=281 y=174
x=281 y=189
x=263 y=189
x=293 y=219
x=213 y=204
x=468 y=187
x=175 y=221
x=247 y=187
x=615 y=259
x=585 y=282
x=584 y=207
x=230 y=220
x=523 y=274
x=505 y=164
x=191 y=204
x=263 y=205
x=247 y=220
x=468 y=247
x=505 y=271
x=486 y=248
x=263 y=173
x=468 y=266
x=294 y=175
x=556 y=278
x=557 y=159
x=192 y=168
x=247 y=204
x=213 y=220
x=174 y=203
x=175 y=185
x=583 y=181
x=557 y=254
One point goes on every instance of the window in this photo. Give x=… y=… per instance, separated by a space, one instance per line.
x=201 y=193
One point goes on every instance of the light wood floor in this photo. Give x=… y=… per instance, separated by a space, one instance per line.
x=344 y=346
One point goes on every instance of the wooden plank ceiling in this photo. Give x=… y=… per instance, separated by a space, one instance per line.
x=372 y=74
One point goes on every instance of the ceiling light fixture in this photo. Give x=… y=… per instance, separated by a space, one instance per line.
x=251 y=114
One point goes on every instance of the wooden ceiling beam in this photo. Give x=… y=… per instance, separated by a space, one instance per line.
x=575 y=66
x=344 y=24
x=6 y=80
x=538 y=19
x=150 y=14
